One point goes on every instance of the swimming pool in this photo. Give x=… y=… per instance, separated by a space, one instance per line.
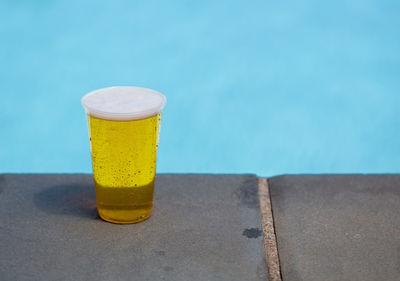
x=259 y=87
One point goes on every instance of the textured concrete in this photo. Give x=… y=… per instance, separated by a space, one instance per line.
x=337 y=227
x=203 y=227
x=271 y=249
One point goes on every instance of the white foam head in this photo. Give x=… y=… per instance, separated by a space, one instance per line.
x=123 y=103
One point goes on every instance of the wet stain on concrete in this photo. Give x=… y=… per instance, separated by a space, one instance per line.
x=247 y=193
x=168 y=268
x=252 y=232
x=2 y=183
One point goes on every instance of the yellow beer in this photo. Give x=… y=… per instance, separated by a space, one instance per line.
x=124 y=167
x=123 y=157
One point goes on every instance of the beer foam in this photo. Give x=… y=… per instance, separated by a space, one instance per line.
x=123 y=103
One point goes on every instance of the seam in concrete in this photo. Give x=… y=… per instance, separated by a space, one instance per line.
x=271 y=249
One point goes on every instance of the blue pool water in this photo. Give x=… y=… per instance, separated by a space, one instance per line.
x=265 y=87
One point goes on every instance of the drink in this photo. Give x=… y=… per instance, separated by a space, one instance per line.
x=124 y=125
x=124 y=166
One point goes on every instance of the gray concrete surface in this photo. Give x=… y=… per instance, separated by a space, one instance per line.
x=337 y=227
x=203 y=227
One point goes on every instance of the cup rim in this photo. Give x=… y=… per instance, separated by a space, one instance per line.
x=123 y=116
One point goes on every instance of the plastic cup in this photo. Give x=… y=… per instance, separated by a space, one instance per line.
x=124 y=125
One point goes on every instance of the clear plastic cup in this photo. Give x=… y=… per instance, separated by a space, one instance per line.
x=124 y=125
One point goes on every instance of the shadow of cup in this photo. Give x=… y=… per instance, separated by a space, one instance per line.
x=69 y=199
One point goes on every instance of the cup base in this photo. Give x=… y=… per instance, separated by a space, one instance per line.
x=116 y=221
